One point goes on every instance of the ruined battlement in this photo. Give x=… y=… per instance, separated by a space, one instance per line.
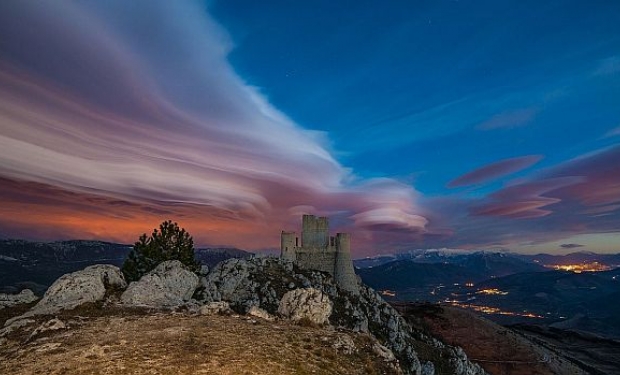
x=320 y=251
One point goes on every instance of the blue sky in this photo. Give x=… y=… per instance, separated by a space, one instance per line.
x=424 y=92
x=486 y=124
x=405 y=88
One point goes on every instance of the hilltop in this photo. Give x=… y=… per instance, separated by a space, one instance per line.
x=270 y=289
x=165 y=343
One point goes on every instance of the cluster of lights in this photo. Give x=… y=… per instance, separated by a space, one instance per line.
x=581 y=267
x=492 y=292
x=493 y=310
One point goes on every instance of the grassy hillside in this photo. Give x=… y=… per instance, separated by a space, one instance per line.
x=182 y=344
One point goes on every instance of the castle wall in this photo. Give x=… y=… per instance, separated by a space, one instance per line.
x=319 y=251
x=316 y=259
x=288 y=245
x=344 y=273
x=315 y=231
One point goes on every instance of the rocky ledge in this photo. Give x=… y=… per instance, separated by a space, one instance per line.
x=266 y=289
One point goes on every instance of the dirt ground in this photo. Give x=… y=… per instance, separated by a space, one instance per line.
x=183 y=344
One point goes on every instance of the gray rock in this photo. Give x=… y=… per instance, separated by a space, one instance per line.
x=428 y=368
x=345 y=344
x=51 y=325
x=260 y=313
x=25 y=296
x=307 y=303
x=462 y=365
x=74 y=289
x=204 y=269
x=384 y=353
x=213 y=308
x=170 y=284
x=230 y=281
x=15 y=325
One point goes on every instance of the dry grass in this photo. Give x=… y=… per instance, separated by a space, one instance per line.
x=498 y=350
x=181 y=344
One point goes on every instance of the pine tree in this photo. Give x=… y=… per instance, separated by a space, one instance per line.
x=169 y=243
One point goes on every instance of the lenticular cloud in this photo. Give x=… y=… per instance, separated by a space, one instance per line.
x=136 y=101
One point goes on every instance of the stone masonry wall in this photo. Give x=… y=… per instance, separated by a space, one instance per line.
x=316 y=259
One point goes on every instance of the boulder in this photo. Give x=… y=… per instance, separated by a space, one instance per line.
x=231 y=281
x=306 y=303
x=80 y=287
x=25 y=296
x=170 y=284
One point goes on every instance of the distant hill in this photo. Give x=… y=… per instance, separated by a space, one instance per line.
x=585 y=301
x=575 y=258
x=456 y=256
x=510 y=288
x=475 y=267
x=498 y=264
x=212 y=256
x=496 y=348
x=405 y=274
x=36 y=265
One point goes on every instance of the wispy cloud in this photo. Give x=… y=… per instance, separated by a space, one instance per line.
x=613 y=132
x=495 y=170
x=570 y=245
x=578 y=196
x=509 y=119
x=610 y=65
x=524 y=201
x=150 y=113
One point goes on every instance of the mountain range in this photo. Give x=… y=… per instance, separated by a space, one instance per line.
x=507 y=288
x=35 y=265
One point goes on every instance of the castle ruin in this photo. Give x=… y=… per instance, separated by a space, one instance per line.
x=320 y=251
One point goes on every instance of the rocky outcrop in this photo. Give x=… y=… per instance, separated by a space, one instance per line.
x=170 y=284
x=25 y=296
x=80 y=287
x=264 y=282
x=262 y=287
x=306 y=304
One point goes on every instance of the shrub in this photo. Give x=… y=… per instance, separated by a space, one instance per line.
x=168 y=243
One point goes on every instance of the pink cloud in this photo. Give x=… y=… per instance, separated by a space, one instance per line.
x=509 y=119
x=495 y=170
x=524 y=201
x=162 y=123
x=601 y=173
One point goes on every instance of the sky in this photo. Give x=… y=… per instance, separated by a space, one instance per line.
x=426 y=124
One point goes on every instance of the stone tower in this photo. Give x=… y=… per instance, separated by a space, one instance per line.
x=319 y=251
